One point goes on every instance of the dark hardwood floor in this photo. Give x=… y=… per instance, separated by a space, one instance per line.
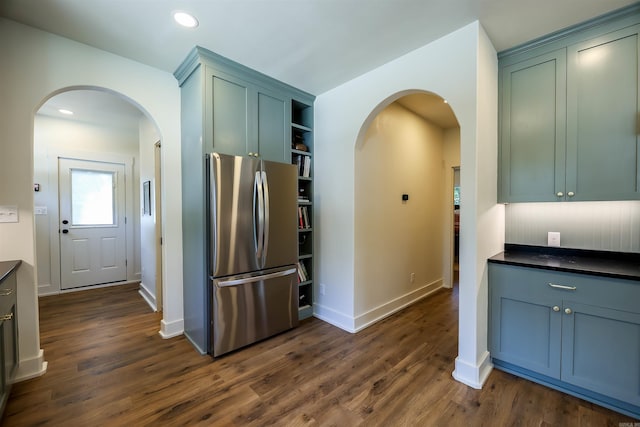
x=108 y=366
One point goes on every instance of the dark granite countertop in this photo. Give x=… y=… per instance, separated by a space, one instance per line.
x=6 y=267
x=621 y=265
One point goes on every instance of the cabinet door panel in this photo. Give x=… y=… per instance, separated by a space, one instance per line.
x=272 y=127
x=525 y=330
x=533 y=129
x=601 y=351
x=602 y=105
x=230 y=115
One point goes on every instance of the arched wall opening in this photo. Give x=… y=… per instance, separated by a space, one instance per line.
x=38 y=65
x=468 y=80
x=404 y=158
x=104 y=128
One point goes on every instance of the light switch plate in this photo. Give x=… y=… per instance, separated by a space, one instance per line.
x=553 y=238
x=8 y=214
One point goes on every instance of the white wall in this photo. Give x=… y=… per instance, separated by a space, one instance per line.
x=401 y=153
x=34 y=66
x=148 y=139
x=462 y=68
x=53 y=137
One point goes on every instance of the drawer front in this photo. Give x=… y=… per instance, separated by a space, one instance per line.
x=617 y=294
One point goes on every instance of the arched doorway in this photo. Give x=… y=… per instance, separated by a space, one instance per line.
x=404 y=203
x=105 y=136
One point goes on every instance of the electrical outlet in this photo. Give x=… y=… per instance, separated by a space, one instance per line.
x=322 y=288
x=553 y=238
x=412 y=277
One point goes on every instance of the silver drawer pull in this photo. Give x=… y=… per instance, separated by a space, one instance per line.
x=6 y=317
x=5 y=292
x=567 y=288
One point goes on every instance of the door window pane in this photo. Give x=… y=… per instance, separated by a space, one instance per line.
x=92 y=197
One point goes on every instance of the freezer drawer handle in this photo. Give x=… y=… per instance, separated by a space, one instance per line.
x=245 y=280
x=567 y=288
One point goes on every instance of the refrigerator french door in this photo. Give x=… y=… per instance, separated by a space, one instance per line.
x=252 y=250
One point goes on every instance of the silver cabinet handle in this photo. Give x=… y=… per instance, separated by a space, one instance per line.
x=556 y=308
x=559 y=194
x=567 y=288
x=571 y=194
x=568 y=310
x=5 y=292
x=6 y=317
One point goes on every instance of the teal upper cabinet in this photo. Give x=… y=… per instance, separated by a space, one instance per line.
x=230 y=115
x=533 y=128
x=602 y=106
x=273 y=139
x=243 y=112
x=246 y=119
x=569 y=115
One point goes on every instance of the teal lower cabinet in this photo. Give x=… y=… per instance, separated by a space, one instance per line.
x=573 y=332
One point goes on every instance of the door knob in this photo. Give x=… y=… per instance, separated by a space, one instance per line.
x=559 y=194
x=556 y=308
x=571 y=194
x=568 y=310
x=65 y=231
x=65 y=222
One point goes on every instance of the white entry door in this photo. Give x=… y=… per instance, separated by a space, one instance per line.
x=92 y=223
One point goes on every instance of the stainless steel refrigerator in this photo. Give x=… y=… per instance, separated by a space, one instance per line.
x=252 y=250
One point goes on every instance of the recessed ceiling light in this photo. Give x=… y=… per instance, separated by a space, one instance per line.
x=185 y=19
x=67 y=112
x=445 y=101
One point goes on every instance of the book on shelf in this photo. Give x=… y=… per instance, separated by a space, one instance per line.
x=303 y=163
x=302 y=272
x=306 y=170
x=303 y=217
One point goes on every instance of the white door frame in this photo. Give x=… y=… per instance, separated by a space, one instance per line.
x=54 y=216
x=157 y=201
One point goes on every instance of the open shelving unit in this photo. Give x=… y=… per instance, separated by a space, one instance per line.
x=302 y=156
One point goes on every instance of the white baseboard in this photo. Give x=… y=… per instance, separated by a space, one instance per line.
x=171 y=329
x=148 y=296
x=31 y=368
x=473 y=375
x=47 y=289
x=355 y=324
x=387 y=309
x=334 y=317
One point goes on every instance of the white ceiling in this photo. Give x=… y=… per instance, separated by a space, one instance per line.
x=314 y=45
x=95 y=107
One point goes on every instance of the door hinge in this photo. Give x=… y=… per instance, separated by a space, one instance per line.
x=125 y=219
x=126 y=262
x=161 y=241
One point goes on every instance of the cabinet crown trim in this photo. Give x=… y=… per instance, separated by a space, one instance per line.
x=200 y=55
x=624 y=12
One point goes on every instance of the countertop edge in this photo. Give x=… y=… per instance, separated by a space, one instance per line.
x=618 y=265
x=8 y=267
x=565 y=269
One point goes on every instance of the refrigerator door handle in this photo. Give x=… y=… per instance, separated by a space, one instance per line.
x=258 y=229
x=265 y=244
x=214 y=178
x=245 y=280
